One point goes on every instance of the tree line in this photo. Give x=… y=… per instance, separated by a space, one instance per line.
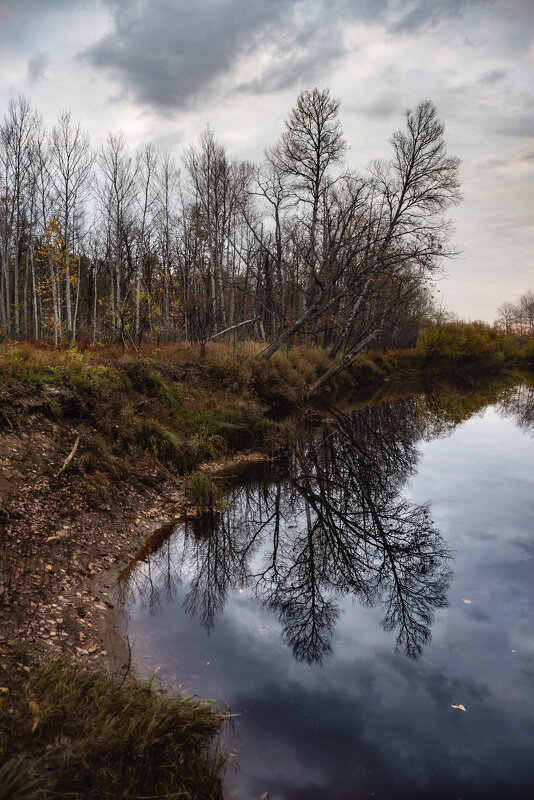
x=517 y=319
x=117 y=244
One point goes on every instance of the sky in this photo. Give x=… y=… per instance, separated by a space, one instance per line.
x=161 y=70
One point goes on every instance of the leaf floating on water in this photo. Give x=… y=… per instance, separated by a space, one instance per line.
x=467 y=602
x=458 y=706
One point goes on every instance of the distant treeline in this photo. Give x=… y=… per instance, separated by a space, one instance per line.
x=517 y=319
x=131 y=246
x=512 y=333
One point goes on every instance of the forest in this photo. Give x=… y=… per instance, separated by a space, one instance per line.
x=129 y=246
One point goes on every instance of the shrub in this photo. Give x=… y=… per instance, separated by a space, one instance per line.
x=455 y=339
x=528 y=350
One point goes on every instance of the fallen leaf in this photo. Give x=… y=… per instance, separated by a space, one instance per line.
x=4 y=690
x=49 y=568
x=459 y=706
x=33 y=707
x=467 y=602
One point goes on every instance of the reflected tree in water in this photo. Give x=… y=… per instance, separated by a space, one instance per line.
x=519 y=404
x=336 y=525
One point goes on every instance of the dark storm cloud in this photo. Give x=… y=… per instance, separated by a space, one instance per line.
x=164 y=53
x=37 y=65
x=168 y=53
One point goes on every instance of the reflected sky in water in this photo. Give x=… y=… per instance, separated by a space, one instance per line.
x=327 y=607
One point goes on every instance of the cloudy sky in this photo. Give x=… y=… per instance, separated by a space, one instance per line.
x=162 y=69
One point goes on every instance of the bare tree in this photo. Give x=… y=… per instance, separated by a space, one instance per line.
x=118 y=193
x=387 y=226
x=518 y=318
x=71 y=162
x=311 y=143
x=16 y=134
x=217 y=184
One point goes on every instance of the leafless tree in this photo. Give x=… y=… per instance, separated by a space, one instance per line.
x=70 y=164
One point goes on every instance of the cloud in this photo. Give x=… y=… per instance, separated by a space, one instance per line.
x=23 y=11
x=493 y=76
x=296 y=59
x=426 y=13
x=37 y=65
x=171 y=54
x=166 y=53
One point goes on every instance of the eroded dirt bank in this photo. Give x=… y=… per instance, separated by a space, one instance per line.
x=61 y=556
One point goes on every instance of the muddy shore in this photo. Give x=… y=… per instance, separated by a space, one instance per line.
x=62 y=560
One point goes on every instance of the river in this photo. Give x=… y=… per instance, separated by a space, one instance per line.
x=365 y=606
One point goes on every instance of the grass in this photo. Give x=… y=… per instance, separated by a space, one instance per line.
x=202 y=491
x=73 y=733
x=170 y=410
x=17 y=784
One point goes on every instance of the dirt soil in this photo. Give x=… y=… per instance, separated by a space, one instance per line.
x=61 y=555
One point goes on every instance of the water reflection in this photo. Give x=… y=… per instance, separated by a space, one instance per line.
x=340 y=519
x=334 y=524
x=519 y=404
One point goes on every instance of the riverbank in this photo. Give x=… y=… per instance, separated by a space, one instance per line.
x=95 y=447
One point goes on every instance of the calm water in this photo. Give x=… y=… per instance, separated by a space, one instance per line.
x=345 y=599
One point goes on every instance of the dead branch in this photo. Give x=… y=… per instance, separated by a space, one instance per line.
x=69 y=457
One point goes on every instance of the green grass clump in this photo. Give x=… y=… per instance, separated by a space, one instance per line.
x=94 y=740
x=166 y=444
x=17 y=784
x=20 y=364
x=201 y=491
x=170 y=393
